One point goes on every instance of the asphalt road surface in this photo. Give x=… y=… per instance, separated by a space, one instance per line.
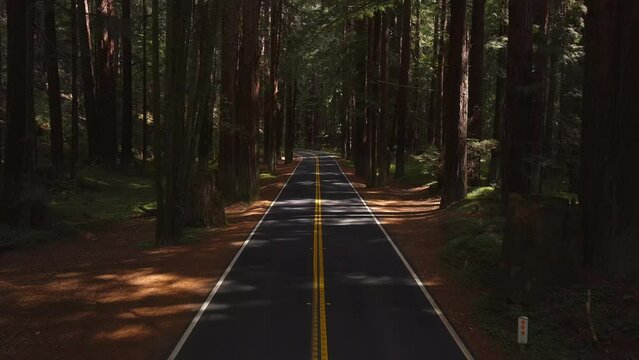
x=319 y=279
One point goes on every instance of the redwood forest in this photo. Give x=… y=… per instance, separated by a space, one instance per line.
x=315 y=179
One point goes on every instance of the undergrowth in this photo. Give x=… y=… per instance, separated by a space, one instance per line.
x=559 y=324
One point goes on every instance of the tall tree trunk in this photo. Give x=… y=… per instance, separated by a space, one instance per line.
x=126 y=155
x=75 y=116
x=500 y=87
x=373 y=98
x=204 y=88
x=291 y=92
x=88 y=78
x=272 y=111
x=248 y=102
x=106 y=71
x=540 y=78
x=610 y=133
x=228 y=89
x=402 y=92
x=53 y=88
x=475 y=82
x=359 y=121
x=169 y=226
x=145 y=89
x=438 y=103
x=20 y=129
x=383 y=128
x=519 y=128
x=456 y=108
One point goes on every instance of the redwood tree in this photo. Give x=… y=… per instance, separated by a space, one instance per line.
x=610 y=134
x=519 y=134
x=247 y=102
x=53 y=88
x=475 y=81
x=454 y=185
x=127 y=86
x=402 y=92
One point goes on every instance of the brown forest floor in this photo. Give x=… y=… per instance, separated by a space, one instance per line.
x=109 y=295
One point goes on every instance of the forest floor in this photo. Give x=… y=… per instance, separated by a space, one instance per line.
x=109 y=294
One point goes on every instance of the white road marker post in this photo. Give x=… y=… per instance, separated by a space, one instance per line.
x=522 y=332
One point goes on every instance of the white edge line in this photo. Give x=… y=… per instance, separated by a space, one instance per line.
x=209 y=299
x=432 y=302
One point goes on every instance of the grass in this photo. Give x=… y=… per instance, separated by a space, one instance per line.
x=100 y=197
x=96 y=199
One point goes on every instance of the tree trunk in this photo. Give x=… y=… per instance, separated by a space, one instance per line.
x=75 y=116
x=475 y=82
x=359 y=120
x=383 y=128
x=228 y=89
x=291 y=92
x=454 y=185
x=53 y=88
x=402 y=92
x=610 y=133
x=519 y=136
x=373 y=98
x=540 y=85
x=126 y=155
x=20 y=129
x=500 y=86
x=169 y=226
x=88 y=78
x=272 y=111
x=145 y=90
x=248 y=102
x=106 y=72
x=438 y=128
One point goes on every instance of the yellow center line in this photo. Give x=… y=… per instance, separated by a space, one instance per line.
x=319 y=333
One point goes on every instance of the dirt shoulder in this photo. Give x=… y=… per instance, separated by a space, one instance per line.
x=412 y=219
x=109 y=295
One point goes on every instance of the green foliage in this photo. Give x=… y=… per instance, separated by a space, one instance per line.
x=421 y=169
x=101 y=197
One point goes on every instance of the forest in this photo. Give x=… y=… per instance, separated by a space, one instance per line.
x=509 y=120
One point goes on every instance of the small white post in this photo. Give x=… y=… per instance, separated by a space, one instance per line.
x=522 y=332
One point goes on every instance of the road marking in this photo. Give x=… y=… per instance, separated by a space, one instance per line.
x=442 y=317
x=319 y=338
x=215 y=289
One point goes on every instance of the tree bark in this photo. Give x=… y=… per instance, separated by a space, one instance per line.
x=172 y=175
x=88 y=78
x=402 y=92
x=383 y=128
x=145 y=89
x=75 y=116
x=53 y=88
x=248 y=102
x=475 y=82
x=291 y=93
x=500 y=87
x=126 y=155
x=106 y=72
x=438 y=128
x=610 y=133
x=272 y=111
x=454 y=185
x=228 y=89
x=519 y=129
x=20 y=129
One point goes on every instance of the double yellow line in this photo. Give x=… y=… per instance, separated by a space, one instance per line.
x=319 y=340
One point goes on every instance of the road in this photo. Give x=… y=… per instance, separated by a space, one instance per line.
x=319 y=279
